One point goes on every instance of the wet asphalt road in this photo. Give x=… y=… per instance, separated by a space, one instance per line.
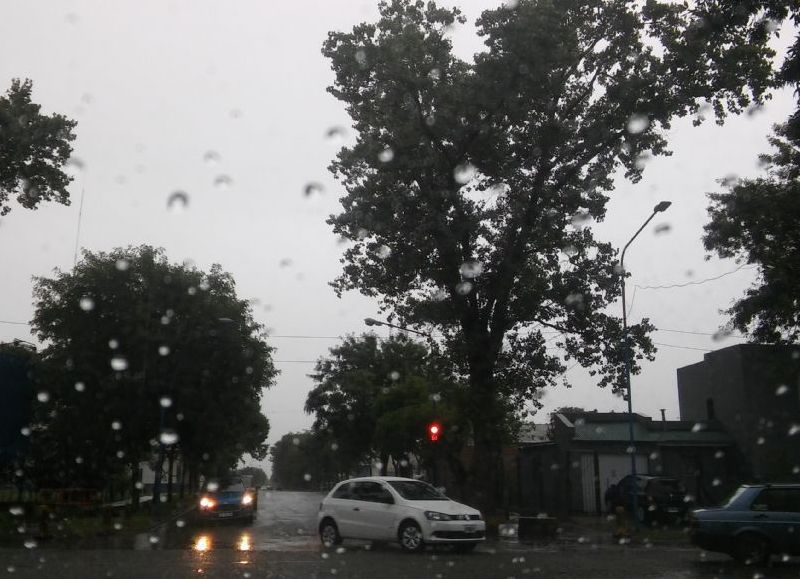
x=282 y=542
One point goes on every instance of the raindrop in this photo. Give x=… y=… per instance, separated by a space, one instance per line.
x=439 y=295
x=235 y=113
x=165 y=402
x=117 y=526
x=341 y=550
x=760 y=440
x=16 y=510
x=464 y=173
x=213 y=486
x=464 y=288
x=178 y=201
x=30 y=543
x=113 y=344
x=361 y=57
x=285 y=262
x=716 y=482
x=211 y=157
x=719 y=454
x=794 y=429
x=435 y=74
x=312 y=188
x=163 y=350
x=698 y=426
x=386 y=155
x=580 y=219
x=119 y=364
x=754 y=109
x=120 y=454
x=729 y=180
x=25 y=431
x=79 y=459
x=204 y=286
x=116 y=425
x=43 y=396
x=337 y=132
x=122 y=264
x=138 y=485
x=782 y=389
x=153 y=539
x=75 y=165
x=721 y=334
x=383 y=251
x=638 y=123
x=80 y=386
x=223 y=182
x=471 y=269
x=575 y=300
x=86 y=303
x=296 y=441
x=569 y=250
x=191 y=291
x=394 y=375
x=361 y=234
x=662 y=228
x=307 y=477
x=641 y=161
x=334 y=446
x=180 y=523
x=168 y=437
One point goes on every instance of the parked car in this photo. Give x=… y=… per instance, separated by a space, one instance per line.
x=231 y=501
x=408 y=511
x=755 y=522
x=659 y=498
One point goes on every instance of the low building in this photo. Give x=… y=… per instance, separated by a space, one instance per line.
x=571 y=468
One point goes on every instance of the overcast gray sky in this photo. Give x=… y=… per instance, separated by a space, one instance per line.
x=156 y=86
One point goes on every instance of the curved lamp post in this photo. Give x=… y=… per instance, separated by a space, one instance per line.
x=661 y=207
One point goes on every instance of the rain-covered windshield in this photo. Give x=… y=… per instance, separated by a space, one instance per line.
x=417 y=491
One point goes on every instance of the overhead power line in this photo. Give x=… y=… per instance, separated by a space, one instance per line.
x=698 y=282
x=682 y=347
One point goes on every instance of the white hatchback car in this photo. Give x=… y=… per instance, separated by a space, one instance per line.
x=405 y=510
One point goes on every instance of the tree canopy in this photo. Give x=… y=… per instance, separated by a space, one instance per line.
x=153 y=352
x=471 y=187
x=34 y=149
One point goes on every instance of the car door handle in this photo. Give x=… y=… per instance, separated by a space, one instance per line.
x=356 y=509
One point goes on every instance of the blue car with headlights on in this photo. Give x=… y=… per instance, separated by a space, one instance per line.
x=757 y=521
x=233 y=501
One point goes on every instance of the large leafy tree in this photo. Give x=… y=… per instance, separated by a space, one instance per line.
x=305 y=461
x=471 y=184
x=140 y=351
x=33 y=150
x=373 y=398
x=755 y=221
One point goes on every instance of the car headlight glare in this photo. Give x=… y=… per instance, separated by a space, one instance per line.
x=207 y=503
x=247 y=499
x=434 y=516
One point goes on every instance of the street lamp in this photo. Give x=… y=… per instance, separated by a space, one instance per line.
x=374 y=322
x=661 y=207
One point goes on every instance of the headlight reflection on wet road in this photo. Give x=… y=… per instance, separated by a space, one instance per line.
x=202 y=544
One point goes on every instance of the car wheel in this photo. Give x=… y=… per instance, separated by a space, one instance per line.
x=751 y=549
x=329 y=533
x=410 y=537
x=465 y=547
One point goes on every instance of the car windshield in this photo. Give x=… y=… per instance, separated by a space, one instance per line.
x=734 y=496
x=543 y=254
x=417 y=491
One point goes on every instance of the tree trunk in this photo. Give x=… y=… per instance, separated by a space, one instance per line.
x=384 y=458
x=182 y=476
x=170 y=473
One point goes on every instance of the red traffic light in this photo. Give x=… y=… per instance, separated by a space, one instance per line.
x=434 y=429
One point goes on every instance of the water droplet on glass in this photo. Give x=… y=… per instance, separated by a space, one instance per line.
x=383 y=251
x=80 y=386
x=16 y=510
x=86 y=303
x=794 y=429
x=79 y=459
x=729 y=180
x=43 y=396
x=307 y=477
x=235 y=113
x=471 y=269
x=122 y=264
x=120 y=454
x=223 y=182
x=781 y=390
x=178 y=201
x=464 y=173
x=211 y=157
x=439 y=295
x=698 y=426
x=721 y=334
x=340 y=550
x=180 y=523
x=113 y=344
x=116 y=425
x=313 y=188
x=168 y=436
x=638 y=123
x=25 y=431
x=361 y=57
x=394 y=375
x=334 y=446
x=574 y=299
x=662 y=228
x=716 y=482
x=74 y=165
x=337 y=132
x=153 y=539
x=165 y=402
x=464 y=288
x=386 y=155
x=119 y=363
x=642 y=160
x=760 y=440
x=435 y=74
x=719 y=454
x=117 y=526
x=30 y=543
x=581 y=219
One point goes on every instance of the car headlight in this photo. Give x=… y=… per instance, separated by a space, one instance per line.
x=247 y=499
x=434 y=516
x=207 y=503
